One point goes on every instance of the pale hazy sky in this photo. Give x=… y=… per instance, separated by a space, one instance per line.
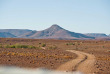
x=83 y=16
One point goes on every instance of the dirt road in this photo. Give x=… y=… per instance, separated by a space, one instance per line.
x=84 y=63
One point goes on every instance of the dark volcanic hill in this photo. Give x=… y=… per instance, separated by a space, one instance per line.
x=97 y=35
x=56 y=32
x=6 y=35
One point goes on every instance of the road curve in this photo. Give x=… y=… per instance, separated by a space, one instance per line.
x=84 y=63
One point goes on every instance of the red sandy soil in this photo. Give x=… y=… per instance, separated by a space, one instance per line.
x=99 y=50
x=33 y=58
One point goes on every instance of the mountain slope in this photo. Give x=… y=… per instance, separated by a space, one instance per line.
x=26 y=35
x=6 y=35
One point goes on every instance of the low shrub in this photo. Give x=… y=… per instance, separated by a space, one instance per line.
x=43 y=45
x=32 y=47
x=22 y=46
x=70 y=43
x=12 y=46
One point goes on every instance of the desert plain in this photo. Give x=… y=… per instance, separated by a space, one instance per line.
x=87 y=56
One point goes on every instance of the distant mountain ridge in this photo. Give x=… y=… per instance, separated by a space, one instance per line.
x=96 y=35
x=16 y=32
x=53 y=32
x=6 y=35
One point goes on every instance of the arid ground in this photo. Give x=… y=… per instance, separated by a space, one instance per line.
x=88 y=56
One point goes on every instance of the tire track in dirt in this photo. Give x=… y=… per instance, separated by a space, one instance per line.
x=76 y=66
x=84 y=63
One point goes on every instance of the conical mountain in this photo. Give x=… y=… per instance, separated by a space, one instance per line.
x=54 y=27
x=57 y=32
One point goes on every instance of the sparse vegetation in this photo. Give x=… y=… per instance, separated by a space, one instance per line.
x=70 y=43
x=18 y=52
x=52 y=47
x=18 y=46
x=15 y=52
x=75 y=43
x=0 y=46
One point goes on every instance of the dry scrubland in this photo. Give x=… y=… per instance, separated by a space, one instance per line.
x=35 y=53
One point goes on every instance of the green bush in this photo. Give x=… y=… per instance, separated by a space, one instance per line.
x=23 y=46
x=12 y=46
x=66 y=43
x=18 y=46
x=43 y=45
